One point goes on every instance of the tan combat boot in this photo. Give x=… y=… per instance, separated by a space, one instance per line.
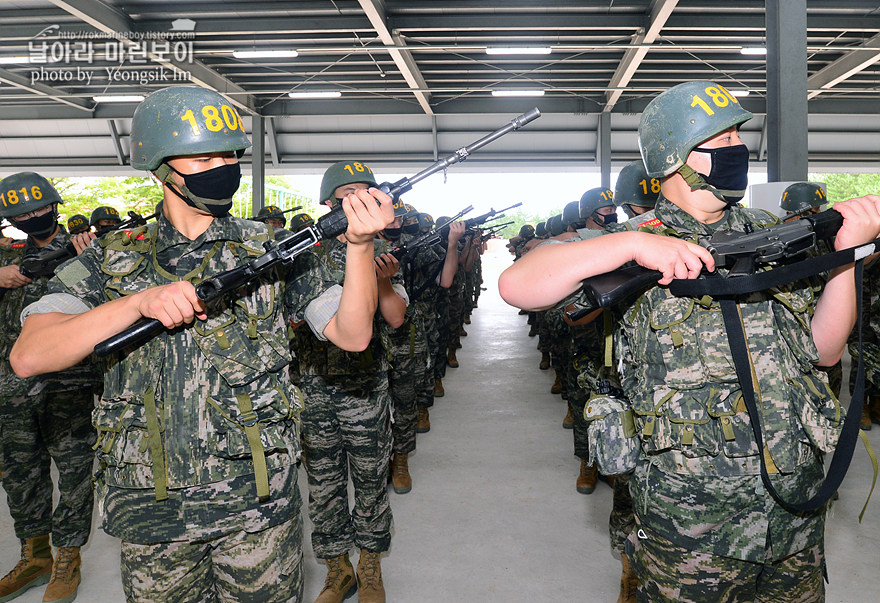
x=533 y=330
x=439 y=392
x=340 y=583
x=568 y=421
x=628 y=582
x=400 y=478
x=467 y=319
x=586 y=481
x=65 y=576
x=556 y=388
x=33 y=569
x=462 y=332
x=865 y=421
x=451 y=360
x=424 y=424
x=545 y=361
x=369 y=577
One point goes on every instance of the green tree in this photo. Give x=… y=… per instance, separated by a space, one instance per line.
x=841 y=187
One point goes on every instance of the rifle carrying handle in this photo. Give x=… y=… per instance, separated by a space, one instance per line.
x=140 y=331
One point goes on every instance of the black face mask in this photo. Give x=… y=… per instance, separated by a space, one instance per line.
x=411 y=228
x=605 y=219
x=392 y=233
x=38 y=227
x=729 y=176
x=211 y=190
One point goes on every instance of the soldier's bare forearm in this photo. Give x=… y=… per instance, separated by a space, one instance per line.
x=352 y=327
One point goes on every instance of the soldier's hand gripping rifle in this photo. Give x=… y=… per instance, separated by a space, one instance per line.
x=45 y=264
x=740 y=252
x=431 y=237
x=284 y=252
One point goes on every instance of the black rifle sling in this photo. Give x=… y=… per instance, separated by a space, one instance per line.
x=846 y=443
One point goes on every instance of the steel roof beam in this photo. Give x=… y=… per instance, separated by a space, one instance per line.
x=375 y=11
x=660 y=11
x=24 y=83
x=117 y=143
x=845 y=67
x=112 y=21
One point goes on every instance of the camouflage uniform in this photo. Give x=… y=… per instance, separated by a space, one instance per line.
x=346 y=426
x=197 y=435
x=696 y=489
x=42 y=419
x=870 y=332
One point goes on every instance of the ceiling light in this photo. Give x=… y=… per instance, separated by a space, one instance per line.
x=14 y=60
x=132 y=98
x=264 y=54
x=518 y=50
x=753 y=50
x=739 y=93
x=316 y=94
x=517 y=93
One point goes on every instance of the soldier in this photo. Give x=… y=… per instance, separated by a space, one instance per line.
x=197 y=437
x=706 y=527
x=346 y=425
x=104 y=217
x=76 y=224
x=42 y=419
x=273 y=216
x=452 y=235
x=634 y=191
x=300 y=221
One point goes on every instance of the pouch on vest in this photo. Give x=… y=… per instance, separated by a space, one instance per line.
x=611 y=431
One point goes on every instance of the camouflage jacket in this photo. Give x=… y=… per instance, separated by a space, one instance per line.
x=316 y=357
x=193 y=414
x=12 y=303
x=678 y=373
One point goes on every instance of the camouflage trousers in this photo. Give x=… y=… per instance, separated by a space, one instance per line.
x=35 y=430
x=259 y=567
x=346 y=426
x=439 y=348
x=622 y=519
x=406 y=381
x=671 y=574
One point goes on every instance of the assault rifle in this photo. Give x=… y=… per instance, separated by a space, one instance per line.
x=494 y=230
x=473 y=223
x=44 y=264
x=426 y=239
x=740 y=252
x=266 y=217
x=284 y=252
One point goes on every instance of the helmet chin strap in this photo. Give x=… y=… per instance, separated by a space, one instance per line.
x=698 y=183
x=163 y=174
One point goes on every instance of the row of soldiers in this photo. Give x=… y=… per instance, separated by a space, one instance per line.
x=199 y=430
x=581 y=353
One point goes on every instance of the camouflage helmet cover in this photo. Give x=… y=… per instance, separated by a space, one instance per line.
x=347 y=172
x=635 y=187
x=593 y=199
x=681 y=118
x=184 y=120
x=802 y=196
x=24 y=192
x=104 y=212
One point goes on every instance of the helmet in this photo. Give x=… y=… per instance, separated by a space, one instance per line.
x=184 y=120
x=555 y=225
x=541 y=230
x=104 y=212
x=802 y=196
x=24 y=192
x=571 y=213
x=77 y=223
x=411 y=212
x=426 y=221
x=527 y=231
x=681 y=118
x=634 y=187
x=300 y=221
x=347 y=172
x=593 y=199
x=272 y=211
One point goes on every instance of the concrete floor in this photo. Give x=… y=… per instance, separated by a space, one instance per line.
x=493 y=515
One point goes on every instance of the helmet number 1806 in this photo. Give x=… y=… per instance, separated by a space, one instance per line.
x=213 y=120
x=719 y=95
